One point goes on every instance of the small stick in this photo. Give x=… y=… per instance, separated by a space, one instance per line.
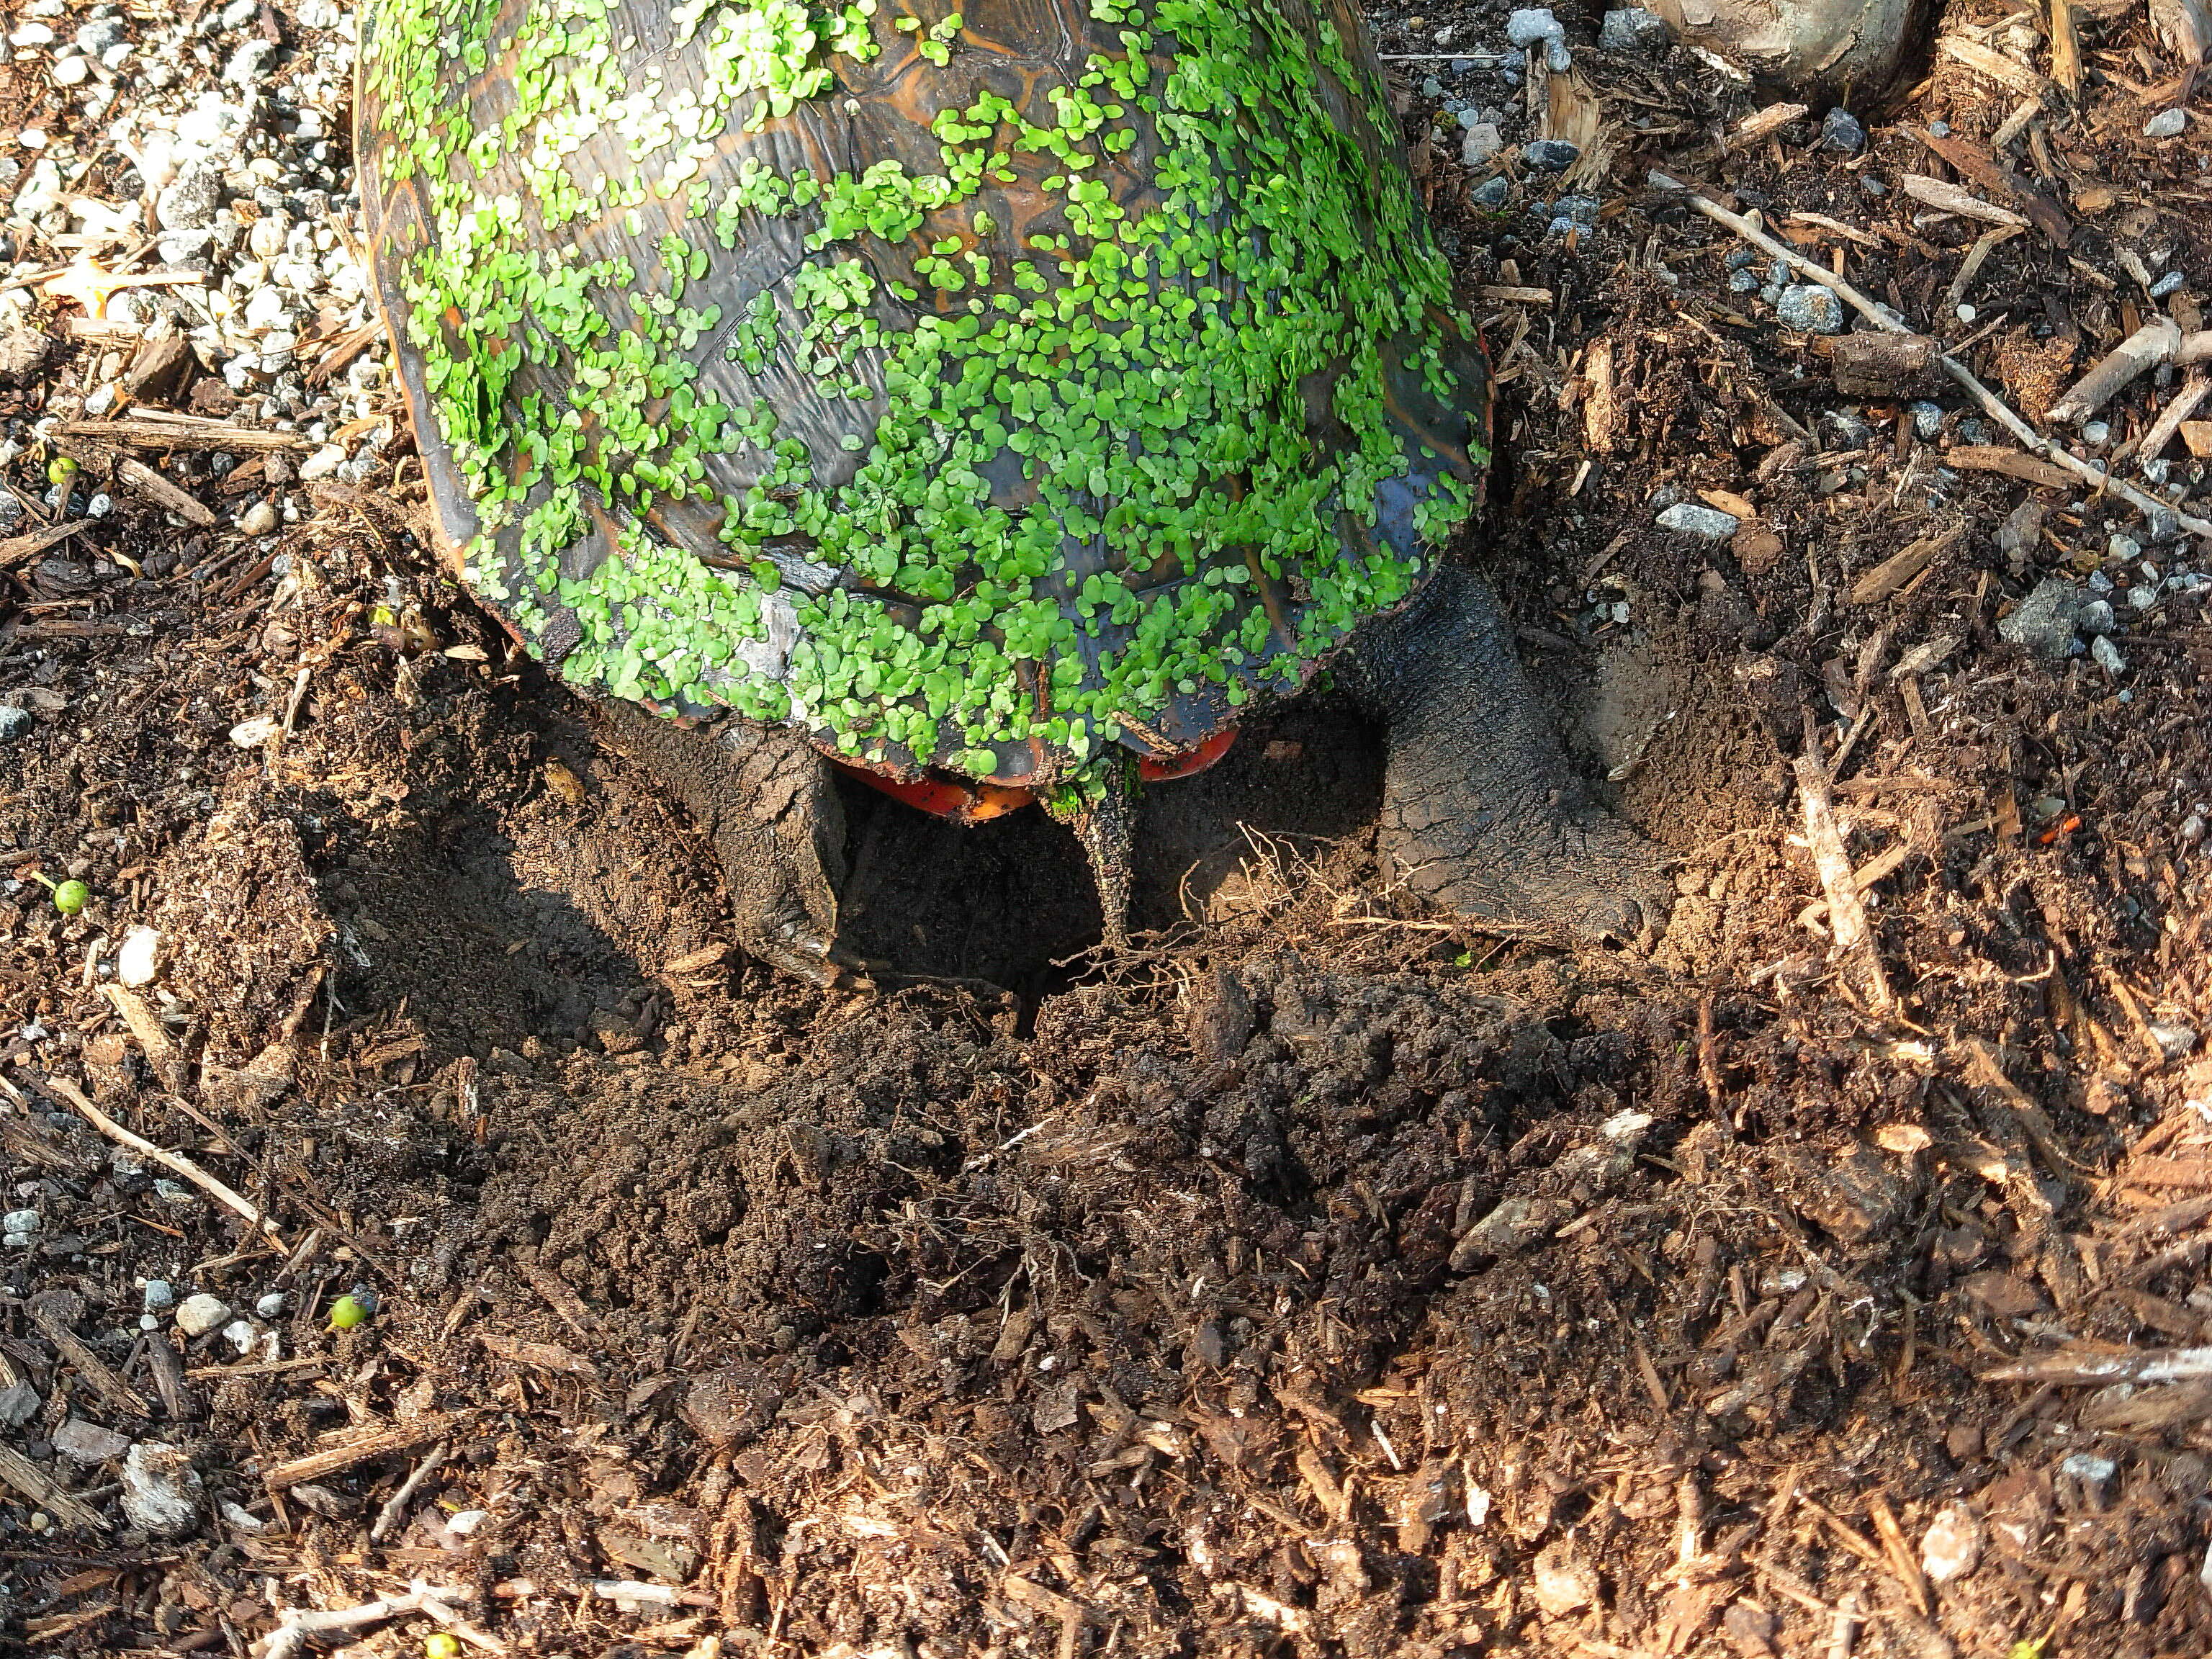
x=2162 y=430
x=177 y=1161
x=1992 y=405
x=389 y=1515
x=1847 y=915
x=1971 y=266
x=1950 y=198
x=2153 y=343
x=290 y=1635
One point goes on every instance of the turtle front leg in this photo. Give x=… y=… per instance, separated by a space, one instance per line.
x=1480 y=812
x=766 y=800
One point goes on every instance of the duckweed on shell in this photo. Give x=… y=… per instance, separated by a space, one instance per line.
x=979 y=388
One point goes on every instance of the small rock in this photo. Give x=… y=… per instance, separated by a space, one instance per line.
x=258 y=519
x=1952 y=1547
x=2097 y=617
x=1513 y=1225
x=1631 y=28
x=2167 y=124
x=199 y=1315
x=252 y=734
x=1492 y=193
x=87 y=1443
x=2169 y=283
x=1561 y=1584
x=269 y=1306
x=161 y=1489
x=21 y=1221
x=2021 y=532
x=1927 y=419
x=137 y=963
x=1841 y=129
x=1551 y=155
x=2174 y=1042
x=1810 y=309
x=190 y=200
x=2043 y=623
x=2095 y=432
x=19 y=1404
x=2106 y=655
x=2088 y=1469
x=240 y=1336
x=1691 y=520
x=157 y=1295
x=1535 y=25
x=74 y=71
x=1483 y=141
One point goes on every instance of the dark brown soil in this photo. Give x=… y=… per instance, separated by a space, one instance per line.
x=1316 y=1278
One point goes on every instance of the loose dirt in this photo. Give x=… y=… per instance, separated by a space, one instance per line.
x=1315 y=1278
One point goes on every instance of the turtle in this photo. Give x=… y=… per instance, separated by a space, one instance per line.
x=1003 y=399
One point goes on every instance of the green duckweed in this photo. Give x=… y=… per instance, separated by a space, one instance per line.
x=829 y=363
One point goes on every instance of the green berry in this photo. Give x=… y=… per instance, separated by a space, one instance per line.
x=61 y=470
x=72 y=896
x=352 y=1310
x=439 y=1646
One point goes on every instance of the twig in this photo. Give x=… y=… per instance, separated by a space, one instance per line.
x=291 y=1635
x=1950 y=198
x=1992 y=405
x=358 y=1448
x=177 y=1161
x=2153 y=343
x=2192 y=393
x=1846 y=915
x=389 y=1515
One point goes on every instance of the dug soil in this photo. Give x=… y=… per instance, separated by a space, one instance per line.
x=1315 y=1278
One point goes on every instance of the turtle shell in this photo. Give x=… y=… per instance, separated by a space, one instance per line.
x=976 y=390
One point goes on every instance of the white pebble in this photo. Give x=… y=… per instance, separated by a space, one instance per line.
x=199 y=1315
x=271 y=1305
x=20 y=1221
x=1953 y=1545
x=1691 y=520
x=137 y=963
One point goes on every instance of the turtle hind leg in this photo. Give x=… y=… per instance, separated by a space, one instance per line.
x=1481 y=814
x=766 y=800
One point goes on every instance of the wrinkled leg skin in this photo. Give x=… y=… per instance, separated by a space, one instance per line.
x=1481 y=814
x=765 y=798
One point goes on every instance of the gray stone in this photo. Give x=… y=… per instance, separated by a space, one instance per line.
x=2043 y=623
x=1633 y=29
x=16 y=723
x=1691 y=520
x=1927 y=418
x=21 y=1221
x=1841 y=129
x=19 y=1404
x=161 y=1489
x=1483 y=141
x=1492 y=193
x=190 y=200
x=2167 y=124
x=2097 y=617
x=156 y=1294
x=87 y=1443
x=1810 y=309
x=2106 y=655
x=1534 y=26
x=1551 y=155
x=258 y=519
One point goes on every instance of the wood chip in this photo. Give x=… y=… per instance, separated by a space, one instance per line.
x=1950 y=198
x=545 y=1355
x=2173 y=417
x=1832 y=861
x=1772 y=119
x=1974 y=162
x=28 y=1478
x=2070 y=1367
x=151 y=429
x=2196 y=438
x=1509 y=294
x=356 y=1447
x=557 y=1292
x=1996 y=458
x=97 y=1374
x=142 y=480
x=1999 y=68
x=20 y=549
x=1899 y=569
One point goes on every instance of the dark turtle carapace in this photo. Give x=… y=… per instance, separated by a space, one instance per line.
x=1001 y=401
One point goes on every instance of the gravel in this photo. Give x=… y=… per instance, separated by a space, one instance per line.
x=1551 y=155
x=1632 y=29
x=1691 y=520
x=199 y=1315
x=1841 y=129
x=2043 y=623
x=1810 y=309
x=2167 y=124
